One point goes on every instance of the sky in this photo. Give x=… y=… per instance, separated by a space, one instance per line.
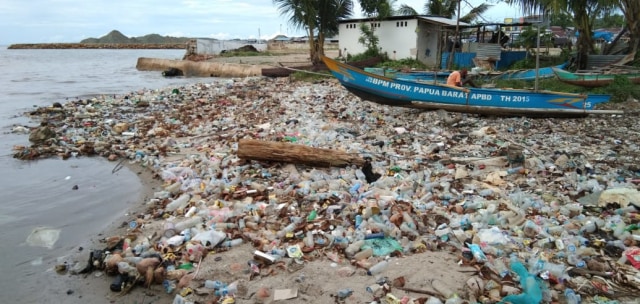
x=45 y=21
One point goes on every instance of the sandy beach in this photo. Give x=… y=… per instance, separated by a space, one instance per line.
x=194 y=130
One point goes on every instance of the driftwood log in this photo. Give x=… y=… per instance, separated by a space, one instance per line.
x=252 y=149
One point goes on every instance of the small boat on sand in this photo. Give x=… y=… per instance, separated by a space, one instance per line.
x=593 y=79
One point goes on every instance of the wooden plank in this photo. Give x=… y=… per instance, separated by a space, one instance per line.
x=252 y=149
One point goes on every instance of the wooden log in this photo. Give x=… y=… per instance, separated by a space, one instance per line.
x=252 y=149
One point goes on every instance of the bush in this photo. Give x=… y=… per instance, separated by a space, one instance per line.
x=407 y=63
x=621 y=89
x=370 y=53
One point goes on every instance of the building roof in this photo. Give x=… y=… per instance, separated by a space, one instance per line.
x=432 y=19
x=442 y=20
x=281 y=38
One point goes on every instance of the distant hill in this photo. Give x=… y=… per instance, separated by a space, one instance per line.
x=117 y=37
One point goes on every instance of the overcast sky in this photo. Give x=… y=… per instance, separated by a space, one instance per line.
x=41 y=21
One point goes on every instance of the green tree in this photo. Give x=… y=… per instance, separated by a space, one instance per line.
x=379 y=9
x=583 y=13
x=318 y=18
x=609 y=20
x=445 y=8
x=631 y=11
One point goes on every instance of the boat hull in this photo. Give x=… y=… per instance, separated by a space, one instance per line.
x=592 y=80
x=387 y=91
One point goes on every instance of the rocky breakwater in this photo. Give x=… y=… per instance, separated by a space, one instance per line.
x=442 y=207
x=98 y=46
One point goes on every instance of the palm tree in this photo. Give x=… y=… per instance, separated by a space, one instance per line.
x=445 y=8
x=329 y=14
x=315 y=16
x=377 y=8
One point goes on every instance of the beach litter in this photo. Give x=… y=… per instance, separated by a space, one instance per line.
x=43 y=237
x=263 y=178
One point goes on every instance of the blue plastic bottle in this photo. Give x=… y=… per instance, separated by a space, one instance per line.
x=571 y=296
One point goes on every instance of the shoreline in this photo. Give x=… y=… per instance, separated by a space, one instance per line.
x=196 y=129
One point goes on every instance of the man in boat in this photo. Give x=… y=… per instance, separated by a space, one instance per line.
x=459 y=79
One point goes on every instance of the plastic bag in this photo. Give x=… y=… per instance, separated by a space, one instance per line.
x=633 y=256
x=383 y=246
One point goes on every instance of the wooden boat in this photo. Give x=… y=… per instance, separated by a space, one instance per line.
x=546 y=72
x=441 y=76
x=596 y=78
x=510 y=102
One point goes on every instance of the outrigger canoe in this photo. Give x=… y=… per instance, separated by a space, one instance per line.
x=594 y=79
x=487 y=101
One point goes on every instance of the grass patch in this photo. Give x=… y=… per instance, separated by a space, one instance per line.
x=402 y=64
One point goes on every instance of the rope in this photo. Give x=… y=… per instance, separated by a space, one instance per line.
x=299 y=70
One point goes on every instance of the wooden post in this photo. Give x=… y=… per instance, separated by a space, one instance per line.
x=252 y=149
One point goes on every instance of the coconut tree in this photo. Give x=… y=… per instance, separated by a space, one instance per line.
x=377 y=8
x=445 y=8
x=329 y=14
x=315 y=17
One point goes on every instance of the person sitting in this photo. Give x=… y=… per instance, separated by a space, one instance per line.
x=459 y=79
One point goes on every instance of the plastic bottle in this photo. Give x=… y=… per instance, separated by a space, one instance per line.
x=308 y=239
x=408 y=219
x=312 y=215
x=188 y=223
x=363 y=254
x=571 y=297
x=378 y=268
x=515 y=170
x=178 y=203
x=353 y=248
x=289 y=228
x=214 y=284
x=354 y=189
x=231 y=243
x=406 y=228
x=358 y=220
x=223 y=226
x=500 y=268
x=478 y=255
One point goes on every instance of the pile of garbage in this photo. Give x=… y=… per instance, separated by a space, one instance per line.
x=544 y=209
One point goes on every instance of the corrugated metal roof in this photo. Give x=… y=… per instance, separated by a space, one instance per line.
x=442 y=20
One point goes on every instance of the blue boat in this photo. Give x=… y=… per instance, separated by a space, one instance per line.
x=441 y=76
x=509 y=102
x=546 y=72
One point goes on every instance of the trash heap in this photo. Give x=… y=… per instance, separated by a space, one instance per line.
x=544 y=209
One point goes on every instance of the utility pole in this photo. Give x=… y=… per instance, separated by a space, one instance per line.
x=537 y=58
x=455 y=40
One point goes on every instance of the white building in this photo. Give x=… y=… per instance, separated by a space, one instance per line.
x=419 y=37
